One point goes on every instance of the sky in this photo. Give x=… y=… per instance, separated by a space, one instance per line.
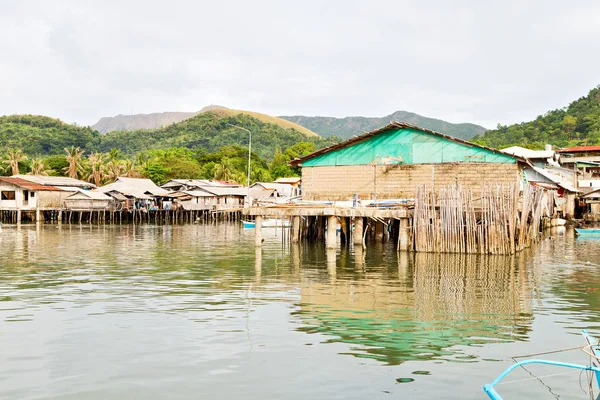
x=485 y=62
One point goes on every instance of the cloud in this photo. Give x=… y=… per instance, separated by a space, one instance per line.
x=465 y=61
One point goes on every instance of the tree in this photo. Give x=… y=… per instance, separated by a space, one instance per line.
x=114 y=154
x=569 y=123
x=114 y=169
x=130 y=169
x=224 y=171
x=97 y=168
x=74 y=156
x=38 y=167
x=13 y=158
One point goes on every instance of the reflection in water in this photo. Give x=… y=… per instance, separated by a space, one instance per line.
x=171 y=311
x=434 y=302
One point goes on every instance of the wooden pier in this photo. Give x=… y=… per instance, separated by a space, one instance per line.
x=498 y=219
x=313 y=222
x=110 y=216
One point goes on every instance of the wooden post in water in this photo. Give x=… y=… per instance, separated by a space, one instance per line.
x=358 y=231
x=295 y=229
x=403 y=235
x=379 y=228
x=331 y=239
x=258 y=239
x=18 y=216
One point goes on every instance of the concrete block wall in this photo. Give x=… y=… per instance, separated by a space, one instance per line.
x=398 y=181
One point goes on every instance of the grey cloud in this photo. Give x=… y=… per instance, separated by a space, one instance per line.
x=482 y=62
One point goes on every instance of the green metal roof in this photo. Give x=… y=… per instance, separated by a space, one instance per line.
x=400 y=143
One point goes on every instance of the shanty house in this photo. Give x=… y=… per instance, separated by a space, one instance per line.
x=270 y=190
x=138 y=193
x=192 y=184
x=24 y=195
x=390 y=162
x=212 y=198
x=592 y=201
x=88 y=200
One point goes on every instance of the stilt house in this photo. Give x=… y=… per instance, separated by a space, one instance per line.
x=390 y=162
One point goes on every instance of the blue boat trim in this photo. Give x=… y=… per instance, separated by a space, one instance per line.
x=587 y=232
x=491 y=392
x=592 y=344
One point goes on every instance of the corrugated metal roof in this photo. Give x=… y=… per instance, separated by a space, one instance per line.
x=289 y=180
x=25 y=184
x=198 y=183
x=579 y=149
x=556 y=179
x=90 y=194
x=55 y=181
x=225 y=191
x=528 y=153
x=392 y=126
x=135 y=187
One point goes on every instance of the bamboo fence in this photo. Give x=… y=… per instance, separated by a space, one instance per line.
x=500 y=221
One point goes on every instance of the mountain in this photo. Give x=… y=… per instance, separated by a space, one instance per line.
x=350 y=126
x=160 y=120
x=41 y=136
x=210 y=131
x=140 y=121
x=575 y=125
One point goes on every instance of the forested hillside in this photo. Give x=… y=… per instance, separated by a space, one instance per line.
x=210 y=131
x=350 y=126
x=577 y=124
x=206 y=146
x=35 y=134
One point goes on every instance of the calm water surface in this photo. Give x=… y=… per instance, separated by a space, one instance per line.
x=155 y=312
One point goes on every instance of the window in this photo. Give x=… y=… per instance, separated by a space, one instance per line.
x=8 y=195
x=31 y=195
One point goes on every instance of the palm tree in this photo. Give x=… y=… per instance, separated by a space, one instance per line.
x=114 y=169
x=38 y=167
x=14 y=157
x=74 y=155
x=130 y=169
x=97 y=167
x=224 y=171
x=114 y=154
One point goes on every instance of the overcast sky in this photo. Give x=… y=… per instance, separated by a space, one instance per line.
x=463 y=61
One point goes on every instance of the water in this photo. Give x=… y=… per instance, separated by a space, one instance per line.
x=154 y=312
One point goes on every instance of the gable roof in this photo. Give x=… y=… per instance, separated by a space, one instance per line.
x=25 y=184
x=198 y=183
x=135 y=187
x=90 y=194
x=393 y=126
x=55 y=181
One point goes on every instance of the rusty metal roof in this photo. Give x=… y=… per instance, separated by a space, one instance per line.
x=579 y=149
x=29 y=185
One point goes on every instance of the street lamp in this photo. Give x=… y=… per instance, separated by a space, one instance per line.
x=249 y=151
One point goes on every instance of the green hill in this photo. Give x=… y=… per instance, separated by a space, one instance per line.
x=36 y=134
x=577 y=124
x=210 y=130
x=350 y=126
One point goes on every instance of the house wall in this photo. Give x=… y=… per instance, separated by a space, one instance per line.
x=87 y=204
x=399 y=181
x=19 y=202
x=52 y=199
